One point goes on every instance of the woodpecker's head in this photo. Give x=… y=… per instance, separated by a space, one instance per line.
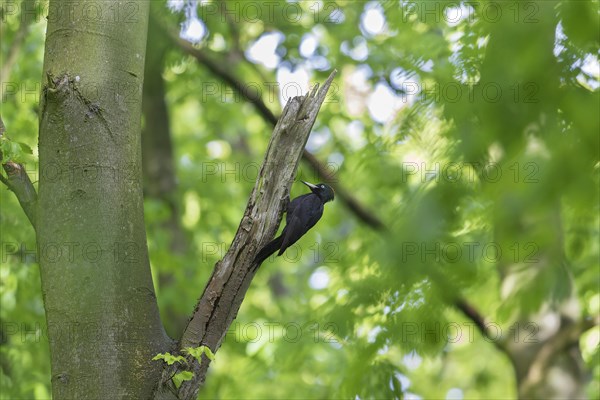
x=325 y=192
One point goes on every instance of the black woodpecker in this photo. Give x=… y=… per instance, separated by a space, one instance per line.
x=302 y=214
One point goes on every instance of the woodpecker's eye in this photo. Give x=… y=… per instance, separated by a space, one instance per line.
x=322 y=187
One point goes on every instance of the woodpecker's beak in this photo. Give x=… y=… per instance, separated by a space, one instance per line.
x=310 y=185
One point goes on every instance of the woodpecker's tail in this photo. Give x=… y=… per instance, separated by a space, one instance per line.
x=267 y=250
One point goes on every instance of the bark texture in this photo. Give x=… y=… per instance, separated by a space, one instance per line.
x=103 y=321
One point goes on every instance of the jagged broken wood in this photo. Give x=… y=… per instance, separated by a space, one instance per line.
x=231 y=277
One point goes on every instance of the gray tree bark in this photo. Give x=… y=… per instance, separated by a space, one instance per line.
x=103 y=320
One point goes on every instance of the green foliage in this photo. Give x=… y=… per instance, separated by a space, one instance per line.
x=14 y=151
x=180 y=377
x=24 y=350
x=498 y=150
x=169 y=358
x=197 y=352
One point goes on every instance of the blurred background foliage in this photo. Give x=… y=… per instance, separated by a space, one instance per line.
x=470 y=129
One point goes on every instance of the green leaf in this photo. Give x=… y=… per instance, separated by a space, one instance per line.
x=25 y=148
x=209 y=353
x=169 y=358
x=197 y=352
x=13 y=151
x=180 y=377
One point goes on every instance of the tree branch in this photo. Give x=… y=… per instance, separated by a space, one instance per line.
x=470 y=312
x=567 y=335
x=19 y=183
x=231 y=277
x=362 y=213
x=356 y=207
x=217 y=69
x=473 y=314
x=253 y=97
x=4 y=180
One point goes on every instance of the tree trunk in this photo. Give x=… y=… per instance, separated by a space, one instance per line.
x=158 y=165
x=103 y=321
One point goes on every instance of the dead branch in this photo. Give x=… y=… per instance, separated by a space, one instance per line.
x=231 y=277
